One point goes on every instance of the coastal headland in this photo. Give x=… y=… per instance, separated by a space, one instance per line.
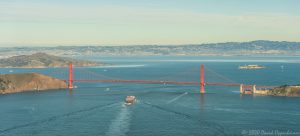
x=13 y=83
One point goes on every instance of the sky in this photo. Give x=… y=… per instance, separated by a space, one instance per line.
x=140 y=22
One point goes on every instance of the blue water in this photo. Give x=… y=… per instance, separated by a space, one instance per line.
x=171 y=110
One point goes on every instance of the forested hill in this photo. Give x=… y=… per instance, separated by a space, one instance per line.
x=43 y=60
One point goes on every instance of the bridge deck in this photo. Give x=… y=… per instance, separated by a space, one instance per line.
x=165 y=82
x=157 y=82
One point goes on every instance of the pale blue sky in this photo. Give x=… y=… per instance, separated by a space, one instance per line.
x=127 y=22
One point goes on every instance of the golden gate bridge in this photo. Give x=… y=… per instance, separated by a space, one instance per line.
x=201 y=83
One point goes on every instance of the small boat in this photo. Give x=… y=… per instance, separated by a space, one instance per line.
x=130 y=100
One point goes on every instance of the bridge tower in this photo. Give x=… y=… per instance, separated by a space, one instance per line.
x=202 y=83
x=70 y=76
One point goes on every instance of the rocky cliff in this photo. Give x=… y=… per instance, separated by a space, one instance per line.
x=13 y=83
x=285 y=91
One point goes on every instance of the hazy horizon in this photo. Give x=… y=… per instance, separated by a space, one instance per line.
x=115 y=45
x=140 y=22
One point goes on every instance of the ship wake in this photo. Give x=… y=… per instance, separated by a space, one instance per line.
x=120 y=125
x=177 y=97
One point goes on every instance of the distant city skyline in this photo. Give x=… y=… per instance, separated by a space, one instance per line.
x=141 y=22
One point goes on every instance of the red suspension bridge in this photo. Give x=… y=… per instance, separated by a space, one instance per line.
x=201 y=84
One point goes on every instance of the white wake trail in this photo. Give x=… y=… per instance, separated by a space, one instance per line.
x=176 y=98
x=120 y=125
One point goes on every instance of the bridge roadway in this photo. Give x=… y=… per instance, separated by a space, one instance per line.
x=202 y=83
x=165 y=82
x=156 y=82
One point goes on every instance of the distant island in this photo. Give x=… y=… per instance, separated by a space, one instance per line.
x=43 y=60
x=259 y=47
x=13 y=83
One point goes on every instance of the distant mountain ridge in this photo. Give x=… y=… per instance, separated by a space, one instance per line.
x=259 y=47
x=43 y=60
